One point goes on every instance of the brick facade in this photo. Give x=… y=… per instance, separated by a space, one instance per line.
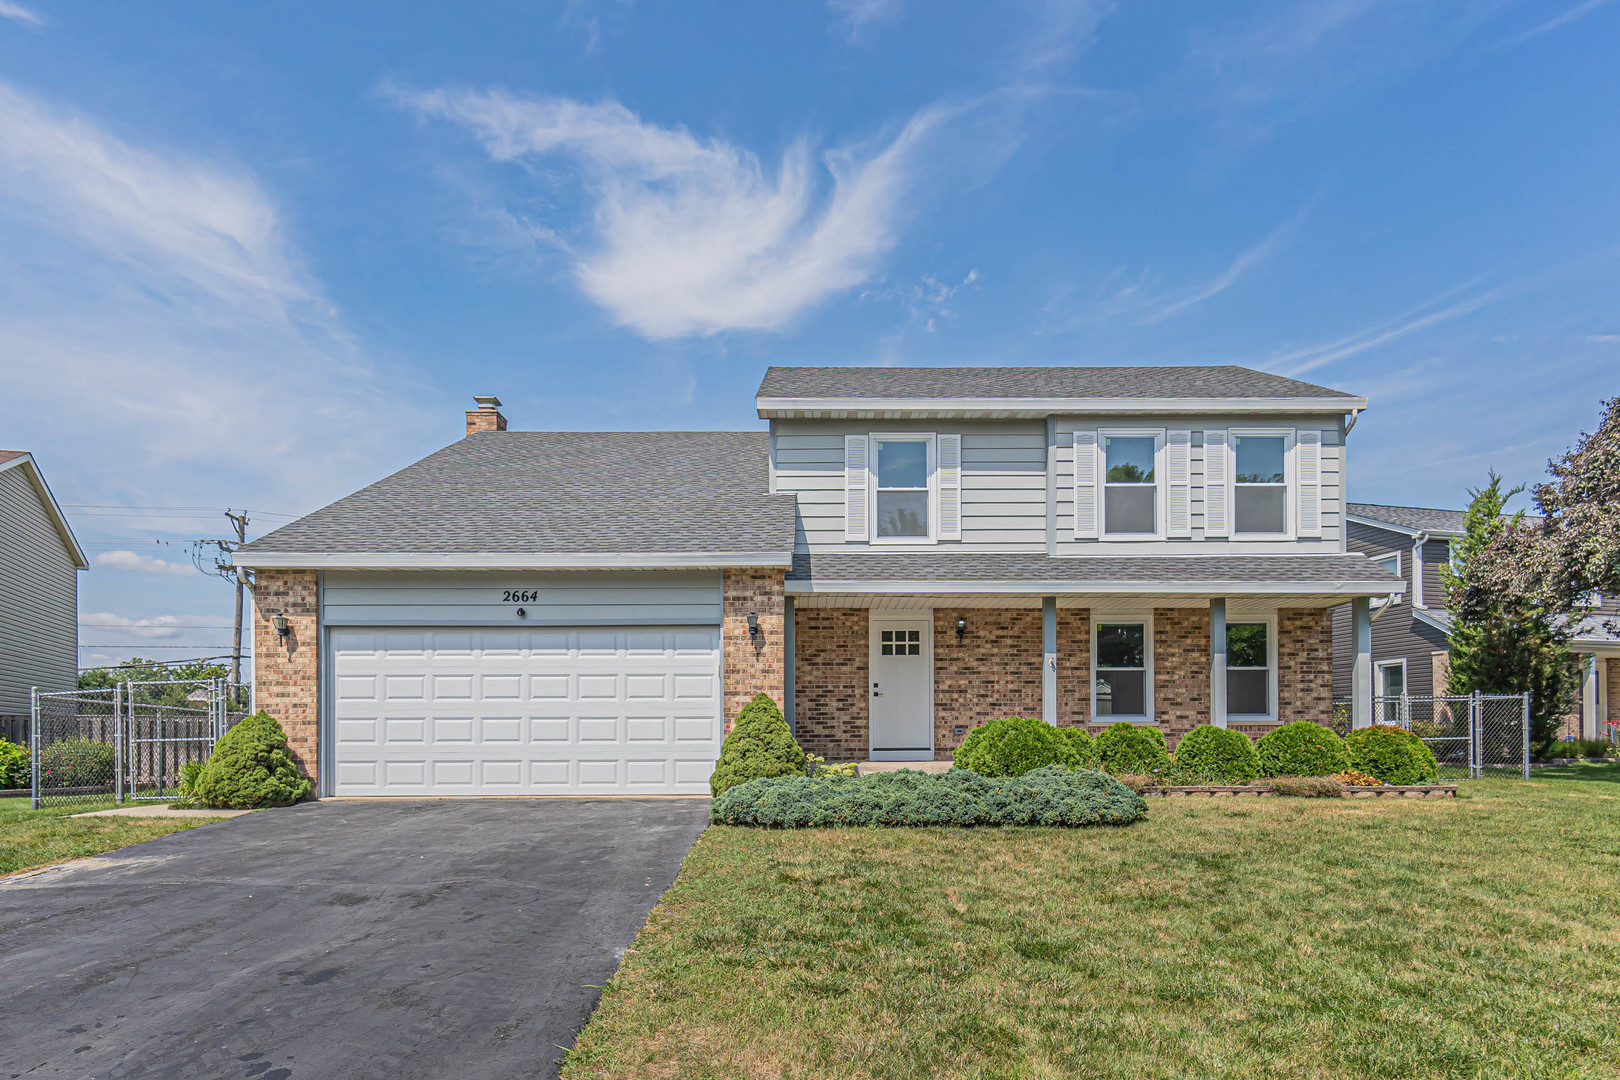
x=752 y=666
x=1611 y=695
x=1074 y=668
x=830 y=668
x=286 y=675
x=1181 y=669
x=1305 y=664
x=994 y=670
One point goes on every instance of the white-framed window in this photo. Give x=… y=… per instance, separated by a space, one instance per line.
x=1389 y=687
x=903 y=497
x=1132 y=498
x=1392 y=563
x=1122 y=669
x=1251 y=669
x=1261 y=482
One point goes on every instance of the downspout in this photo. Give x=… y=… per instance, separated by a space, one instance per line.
x=1355 y=414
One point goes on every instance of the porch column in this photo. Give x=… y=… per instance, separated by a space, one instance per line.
x=1361 y=667
x=1217 y=661
x=787 y=661
x=1591 y=672
x=1049 y=659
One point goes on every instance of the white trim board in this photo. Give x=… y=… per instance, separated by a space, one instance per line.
x=492 y=561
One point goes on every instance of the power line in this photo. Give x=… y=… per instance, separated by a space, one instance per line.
x=133 y=506
x=156 y=626
x=140 y=645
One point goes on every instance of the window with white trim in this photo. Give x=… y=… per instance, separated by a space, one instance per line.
x=1248 y=669
x=1120 y=686
x=1130 y=485
x=902 y=470
x=1260 y=484
x=1392 y=563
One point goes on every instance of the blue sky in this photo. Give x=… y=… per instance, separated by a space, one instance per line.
x=260 y=255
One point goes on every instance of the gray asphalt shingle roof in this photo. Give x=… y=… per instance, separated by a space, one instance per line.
x=1213 y=381
x=947 y=566
x=1416 y=518
x=561 y=492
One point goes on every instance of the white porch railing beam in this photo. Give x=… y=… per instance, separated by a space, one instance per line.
x=1217 y=661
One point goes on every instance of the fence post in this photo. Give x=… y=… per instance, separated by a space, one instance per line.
x=1527 y=734
x=1474 y=763
x=118 y=743
x=33 y=747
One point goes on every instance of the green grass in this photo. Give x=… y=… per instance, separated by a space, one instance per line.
x=1476 y=937
x=34 y=838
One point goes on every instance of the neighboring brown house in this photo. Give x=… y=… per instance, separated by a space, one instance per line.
x=905 y=553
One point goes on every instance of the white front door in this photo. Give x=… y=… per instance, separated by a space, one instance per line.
x=902 y=689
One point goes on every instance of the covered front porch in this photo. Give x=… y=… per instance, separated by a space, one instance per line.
x=904 y=673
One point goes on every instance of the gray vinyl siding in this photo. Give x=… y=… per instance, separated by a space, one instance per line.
x=1435 y=553
x=1397 y=633
x=605 y=598
x=39 y=617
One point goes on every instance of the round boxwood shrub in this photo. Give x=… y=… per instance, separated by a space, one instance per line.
x=1302 y=748
x=1131 y=748
x=759 y=745
x=13 y=765
x=1015 y=745
x=1394 y=755
x=250 y=768
x=76 y=763
x=1211 y=755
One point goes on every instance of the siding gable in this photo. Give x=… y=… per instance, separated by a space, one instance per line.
x=38 y=598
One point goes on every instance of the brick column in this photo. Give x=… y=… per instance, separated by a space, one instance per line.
x=1074 y=667
x=1305 y=664
x=752 y=666
x=286 y=674
x=1180 y=669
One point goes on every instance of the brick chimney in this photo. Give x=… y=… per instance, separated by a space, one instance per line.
x=487 y=416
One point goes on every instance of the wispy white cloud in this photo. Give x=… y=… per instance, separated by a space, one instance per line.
x=1245 y=262
x=856 y=15
x=1441 y=309
x=1564 y=18
x=135 y=562
x=18 y=13
x=696 y=236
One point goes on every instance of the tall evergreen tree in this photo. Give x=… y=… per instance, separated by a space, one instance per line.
x=1502 y=643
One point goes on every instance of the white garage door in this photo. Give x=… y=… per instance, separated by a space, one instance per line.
x=622 y=711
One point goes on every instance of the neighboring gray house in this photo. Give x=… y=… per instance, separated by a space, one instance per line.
x=903 y=554
x=39 y=590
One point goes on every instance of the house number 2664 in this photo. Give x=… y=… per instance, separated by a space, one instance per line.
x=519 y=596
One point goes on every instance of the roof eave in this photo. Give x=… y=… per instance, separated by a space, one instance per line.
x=1101 y=587
x=792 y=408
x=651 y=560
x=1404 y=530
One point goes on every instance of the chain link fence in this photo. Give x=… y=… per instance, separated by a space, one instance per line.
x=1472 y=736
x=129 y=742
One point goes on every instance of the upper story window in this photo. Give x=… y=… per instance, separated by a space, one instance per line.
x=1260 y=482
x=902 y=473
x=1130 y=485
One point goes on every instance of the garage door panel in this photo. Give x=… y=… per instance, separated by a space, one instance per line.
x=411 y=729
x=501 y=687
x=501 y=729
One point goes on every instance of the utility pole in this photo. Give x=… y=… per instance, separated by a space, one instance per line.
x=241 y=523
x=213 y=550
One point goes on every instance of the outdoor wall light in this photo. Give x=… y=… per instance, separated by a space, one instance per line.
x=961 y=627
x=282 y=629
x=753 y=625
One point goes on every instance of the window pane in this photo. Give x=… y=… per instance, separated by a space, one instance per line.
x=1130 y=460
x=1130 y=509
x=1259 y=460
x=1246 y=645
x=1119 y=693
x=902 y=513
x=1262 y=509
x=1248 y=693
x=1120 y=645
x=1394 y=680
x=902 y=464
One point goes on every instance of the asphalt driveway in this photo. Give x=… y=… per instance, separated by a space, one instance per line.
x=427 y=939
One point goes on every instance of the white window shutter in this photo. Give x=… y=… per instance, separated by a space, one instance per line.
x=1178 y=467
x=1310 y=483
x=950 y=488
x=1217 y=469
x=1085 y=485
x=856 y=488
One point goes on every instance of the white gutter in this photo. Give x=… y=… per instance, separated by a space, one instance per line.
x=493 y=561
x=1102 y=587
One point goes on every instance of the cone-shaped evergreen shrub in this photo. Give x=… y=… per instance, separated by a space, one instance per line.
x=759 y=745
x=1015 y=745
x=1302 y=748
x=1128 y=748
x=1211 y=755
x=1394 y=755
x=250 y=768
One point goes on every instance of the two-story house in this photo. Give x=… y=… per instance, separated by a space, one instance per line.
x=905 y=553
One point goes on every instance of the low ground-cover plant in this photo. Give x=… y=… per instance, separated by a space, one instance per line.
x=1211 y=755
x=1131 y=748
x=759 y=745
x=1592 y=748
x=76 y=763
x=1052 y=795
x=13 y=765
x=1394 y=755
x=1015 y=745
x=250 y=768
x=1301 y=748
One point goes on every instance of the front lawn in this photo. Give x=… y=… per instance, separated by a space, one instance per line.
x=1477 y=937
x=33 y=838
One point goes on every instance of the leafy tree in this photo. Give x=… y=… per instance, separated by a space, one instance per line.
x=1502 y=642
x=181 y=680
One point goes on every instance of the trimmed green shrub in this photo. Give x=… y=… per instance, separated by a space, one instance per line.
x=1302 y=748
x=1394 y=755
x=760 y=745
x=250 y=768
x=1132 y=748
x=1016 y=745
x=13 y=765
x=1052 y=795
x=76 y=763
x=1211 y=755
